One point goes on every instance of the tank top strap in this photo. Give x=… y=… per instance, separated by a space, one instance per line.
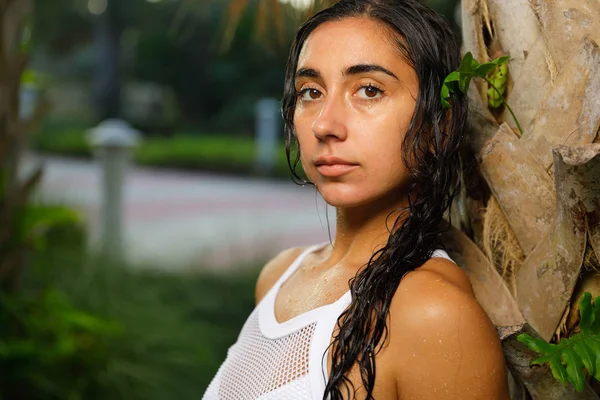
x=441 y=254
x=296 y=263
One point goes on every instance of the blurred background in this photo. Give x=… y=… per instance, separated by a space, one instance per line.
x=156 y=188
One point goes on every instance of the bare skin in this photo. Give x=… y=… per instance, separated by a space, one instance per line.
x=441 y=344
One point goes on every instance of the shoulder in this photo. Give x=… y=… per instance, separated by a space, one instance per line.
x=274 y=269
x=439 y=290
x=449 y=271
x=439 y=330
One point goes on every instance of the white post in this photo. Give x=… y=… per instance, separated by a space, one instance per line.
x=267 y=130
x=113 y=141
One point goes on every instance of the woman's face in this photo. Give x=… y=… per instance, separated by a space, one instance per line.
x=356 y=97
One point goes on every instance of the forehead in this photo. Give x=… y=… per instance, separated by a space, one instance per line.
x=350 y=41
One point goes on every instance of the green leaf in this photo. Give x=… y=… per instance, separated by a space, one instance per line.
x=558 y=370
x=574 y=368
x=568 y=358
x=484 y=69
x=538 y=345
x=494 y=72
x=594 y=346
x=36 y=220
x=497 y=83
x=586 y=311
x=595 y=325
x=585 y=353
x=452 y=77
x=447 y=88
x=463 y=83
x=468 y=64
x=445 y=93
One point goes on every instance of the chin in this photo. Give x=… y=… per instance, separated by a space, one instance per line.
x=341 y=196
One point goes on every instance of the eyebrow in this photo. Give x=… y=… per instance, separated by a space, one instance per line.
x=307 y=73
x=362 y=68
x=353 y=70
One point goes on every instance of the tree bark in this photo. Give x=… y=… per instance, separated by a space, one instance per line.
x=548 y=276
x=570 y=114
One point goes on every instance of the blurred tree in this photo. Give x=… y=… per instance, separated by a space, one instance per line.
x=107 y=77
x=13 y=192
x=171 y=43
x=215 y=88
x=60 y=26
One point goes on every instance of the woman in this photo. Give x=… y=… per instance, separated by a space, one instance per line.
x=382 y=313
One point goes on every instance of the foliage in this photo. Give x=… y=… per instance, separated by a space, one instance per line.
x=468 y=69
x=75 y=328
x=285 y=17
x=493 y=72
x=68 y=142
x=35 y=221
x=207 y=84
x=199 y=151
x=44 y=338
x=568 y=358
x=497 y=85
x=82 y=329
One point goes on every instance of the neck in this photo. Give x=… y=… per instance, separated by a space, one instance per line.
x=360 y=231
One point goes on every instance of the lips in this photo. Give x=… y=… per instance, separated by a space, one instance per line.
x=331 y=166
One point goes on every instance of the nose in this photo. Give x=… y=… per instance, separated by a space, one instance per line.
x=329 y=123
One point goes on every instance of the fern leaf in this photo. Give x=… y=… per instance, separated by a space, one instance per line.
x=571 y=356
x=574 y=368
x=585 y=353
x=536 y=344
x=594 y=345
x=558 y=371
x=595 y=325
x=586 y=311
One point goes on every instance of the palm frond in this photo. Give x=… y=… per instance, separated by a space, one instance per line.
x=272 y=18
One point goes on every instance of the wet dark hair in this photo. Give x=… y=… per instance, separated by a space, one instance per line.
x=430 y=153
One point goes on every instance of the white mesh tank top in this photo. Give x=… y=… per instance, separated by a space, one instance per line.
x=281 y=361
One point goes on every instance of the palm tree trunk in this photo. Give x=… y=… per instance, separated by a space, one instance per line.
x=546 y=183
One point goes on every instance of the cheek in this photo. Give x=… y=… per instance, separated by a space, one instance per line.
x=306 y=141
x=382 y=140
x=303 y=128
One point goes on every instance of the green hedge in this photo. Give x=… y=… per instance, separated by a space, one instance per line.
x=208 y=152
x=81 y=328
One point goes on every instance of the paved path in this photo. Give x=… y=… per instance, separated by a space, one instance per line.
x=188 y=221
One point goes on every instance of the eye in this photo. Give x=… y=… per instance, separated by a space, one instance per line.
x=309 y=94
x=370 y=92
